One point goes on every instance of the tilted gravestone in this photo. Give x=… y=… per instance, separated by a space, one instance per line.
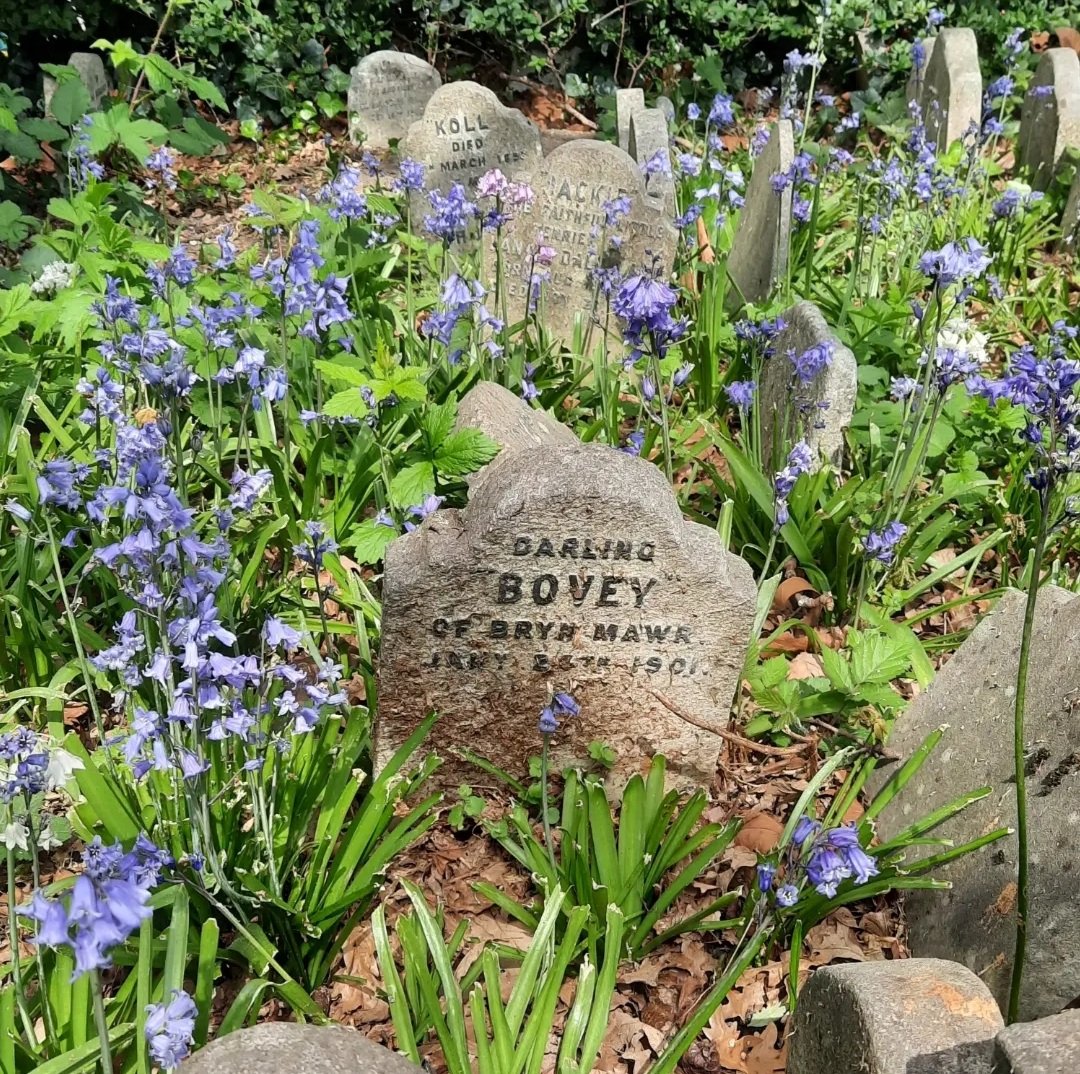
x=288 y=1048
x=388 y=91
x=465 y=132
x=568 y=216
x=1070 y=220
x=917 y=79
x=571 y=569
x=817 y=411
x=1050 y=117
x=951 y=97
x=627 y=102
x=649 y=146
x=91 y=72
x=906 y=1016
x=974 y=694
x=1047 y=1046
x=760 y=249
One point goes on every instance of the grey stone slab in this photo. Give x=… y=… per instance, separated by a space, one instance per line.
x=388 y=92
x=1050 y=117
x=865 y=58
x=288 y=1048
x=91 y=71
x=667 y=106
x=650 y=145
x=510 y=421
x=1070 y=219
x=760 y=249
x=817 y=412
x=464 y=133
x=917 y=79
x=951 y=96
x=974 y=695
x=627 y=102
x=1047 y=1046
x=570 y=569
x=567 y=215
x=550 y=140
x=909 y=1016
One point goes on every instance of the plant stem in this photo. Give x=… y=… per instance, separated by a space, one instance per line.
x=16 y=960
x=548 y=840
x=1020 y=774
x=100 y=1023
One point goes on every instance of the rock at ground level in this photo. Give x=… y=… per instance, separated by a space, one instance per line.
x=913 y=1016
x=287 y=1048
x=974 y=694
x=1048 y=1046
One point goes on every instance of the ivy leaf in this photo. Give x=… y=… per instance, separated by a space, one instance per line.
x=413 y=484
x=369 y=540
x=464 y=451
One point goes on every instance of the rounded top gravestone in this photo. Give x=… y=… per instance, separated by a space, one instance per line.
x=1050 y=118
x=568 y=215
x=570 y=569
x=951 y=95
x=387 y=92
x=466 y=131
x=288 y=1048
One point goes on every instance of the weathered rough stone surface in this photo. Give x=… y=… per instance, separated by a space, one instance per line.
x=1070 y=220
x=917 y=79
x=1048 y=1046
x=865 y=56
x=91 y=71
x=388 y=91
x=627 y=102
x=1050 y=122
x=911 y=1016
x=649 y=144
x=287 y=1048
x=572 y=186
x=820 y=411
x=974 y=694
x=951 y=97
x=510 y=421
x=570 y=569
x=759 y=252
x=667 y=106
x=465 y=132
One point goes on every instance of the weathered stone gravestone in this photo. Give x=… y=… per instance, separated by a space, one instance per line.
x=1047 y=1046
x=908 y=1016
x=917 y=79
x=627 y=102
x=951 y=97
x=667 y=107
x=91 y=72
x=1050 y=118
x=817 y=411
x=288 y=1048
x=465 y=132
x=760 y=249
x=571 y=569
x=649 y=146
x=974 y=693
x=1070 y=220
x=568 y=216
x=388 y=91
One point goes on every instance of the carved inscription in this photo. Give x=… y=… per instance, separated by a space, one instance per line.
x=605 y=584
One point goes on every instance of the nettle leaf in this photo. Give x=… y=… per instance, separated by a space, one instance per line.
x=464 y=451
x=346 y=404
x=438 y=423
x=369 y=541
x=70 y=102
x=413 y=484
x=343 y=374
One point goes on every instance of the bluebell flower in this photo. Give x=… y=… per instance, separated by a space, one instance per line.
x=343 y=195
x=693 y=112
x=812 y=362
x=422 y=510
x=722 y=111
x=955 y=262
x=766 y=874
x=881 y=544
x=161 y=166
x=740 y=393
x=562 y=705
x=799 y=461
x=83 y=166
x=410 y=176
x=170 y=1029
x=317 y=545
x=450 y=214
x=787 y=895
x=902 y=388
x=836 y=855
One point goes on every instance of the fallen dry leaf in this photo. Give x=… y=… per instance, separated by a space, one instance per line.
x=760 y=832
x=805 y=666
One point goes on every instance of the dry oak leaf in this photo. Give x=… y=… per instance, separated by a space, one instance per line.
x=760 y=832
x=805 y=666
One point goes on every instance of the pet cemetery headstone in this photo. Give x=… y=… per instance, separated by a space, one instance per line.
x=571 y=569
x=974 y=695
x=920 y=61
x=1047 y=1046
x=91 y=72
x=553 y=247
x=760 y=249
x=627 y=102
x=808 y=386
x=951 y=97
x=466 y=131
x=1050 y=117
x=649 y=146
x=388 y=91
